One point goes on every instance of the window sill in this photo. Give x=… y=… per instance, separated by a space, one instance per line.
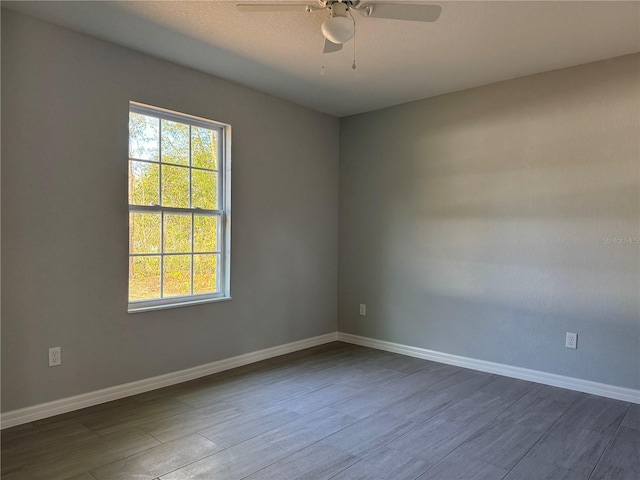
x=165 y=306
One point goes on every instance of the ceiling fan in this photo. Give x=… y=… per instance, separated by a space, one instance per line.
x=340 y=26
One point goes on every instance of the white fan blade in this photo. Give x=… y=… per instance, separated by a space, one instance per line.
x=401 y=11
x=330 y=47
x=272 y=7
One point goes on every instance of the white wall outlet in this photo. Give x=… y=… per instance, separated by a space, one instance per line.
x=55 y=356
x=363 y=309
x=572 y=340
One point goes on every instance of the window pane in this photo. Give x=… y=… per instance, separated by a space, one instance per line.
x=175 y=142
x=205 y=273
x=143 y=183
x=176 y=191
x=177 y=233
x=177 y=275
x=175 y=186
x=144 y=232
x=204 y=189
x=143 y=137
x=144 y=278
x=204 y=148
x=205 y=233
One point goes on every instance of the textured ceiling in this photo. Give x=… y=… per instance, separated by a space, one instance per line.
x=473 y=43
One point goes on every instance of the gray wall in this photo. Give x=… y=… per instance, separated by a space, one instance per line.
x=479 y=223
x=64 y=217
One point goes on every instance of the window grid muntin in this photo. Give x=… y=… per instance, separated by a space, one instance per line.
x=219 y=213
x=191 y=202
x=193 y=222
x=161 y=213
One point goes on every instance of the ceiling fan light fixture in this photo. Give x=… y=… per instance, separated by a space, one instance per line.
x=338 y=29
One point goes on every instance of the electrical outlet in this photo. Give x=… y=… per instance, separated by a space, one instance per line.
x=55 y=356
x=363 y=309
x=572 y=340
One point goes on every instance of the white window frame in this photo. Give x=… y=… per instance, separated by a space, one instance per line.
x=224 y=212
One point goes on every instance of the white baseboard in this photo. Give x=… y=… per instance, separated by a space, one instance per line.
x=570 y=383
x=64 y=405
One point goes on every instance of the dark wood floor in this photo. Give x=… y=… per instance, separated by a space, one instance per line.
x=337 y=411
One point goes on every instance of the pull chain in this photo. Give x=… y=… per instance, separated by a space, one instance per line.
x=353 y=66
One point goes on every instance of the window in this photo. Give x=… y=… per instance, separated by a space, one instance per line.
x=179 y=209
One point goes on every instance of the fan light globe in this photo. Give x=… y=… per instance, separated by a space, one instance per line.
x=338 y=29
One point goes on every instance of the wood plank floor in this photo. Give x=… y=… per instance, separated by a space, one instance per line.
x=341 y=412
